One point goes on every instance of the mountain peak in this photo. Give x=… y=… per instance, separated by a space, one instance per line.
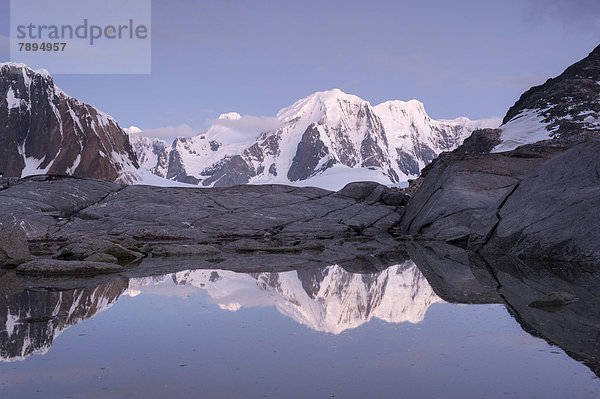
x=233 y=116
x=19 y=65
x=132 y=130
x=333 y=95
x=315 y=105
x=329 y=138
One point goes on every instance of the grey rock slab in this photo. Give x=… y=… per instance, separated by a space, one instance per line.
x=184 y=250
x=125 y=222
x=145 y=212
x=36 y=203
x=459 y=199
x=50 y=267
x=555 y=212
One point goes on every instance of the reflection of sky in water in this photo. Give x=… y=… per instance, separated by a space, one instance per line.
x=177 y=341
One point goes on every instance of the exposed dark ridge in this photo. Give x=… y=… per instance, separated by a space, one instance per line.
x=561 y=100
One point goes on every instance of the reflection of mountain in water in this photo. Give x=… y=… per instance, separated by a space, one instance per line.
x=30 y=320
x=330 y=299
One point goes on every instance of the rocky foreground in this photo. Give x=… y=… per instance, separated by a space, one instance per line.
x=65 y=225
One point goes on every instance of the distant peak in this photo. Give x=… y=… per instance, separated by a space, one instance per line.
x=132 y=130
x=334 y=94
x=331 y=92
x=20 y=65
x=230 y=116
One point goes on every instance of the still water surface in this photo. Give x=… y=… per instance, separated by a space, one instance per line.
x=321 y=333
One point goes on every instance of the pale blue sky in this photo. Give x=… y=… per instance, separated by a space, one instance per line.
x=471 y=58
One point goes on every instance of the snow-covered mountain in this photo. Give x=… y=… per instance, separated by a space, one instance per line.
x=43 y=130
x=566 y=105
x=152 y=154
x=328 y=133
x=327 y=139
x=330 y=300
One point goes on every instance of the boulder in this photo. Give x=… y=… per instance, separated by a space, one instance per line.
x=374 y=192
x=481 y=141
x=88 y=248
x=14 y=249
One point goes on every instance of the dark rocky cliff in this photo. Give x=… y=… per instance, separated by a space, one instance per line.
x=569 y=103
x=43 y=130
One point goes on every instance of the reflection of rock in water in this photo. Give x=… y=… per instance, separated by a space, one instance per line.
x=447 y=270
x=574 y=326
x=30 y=320
x=325 y=299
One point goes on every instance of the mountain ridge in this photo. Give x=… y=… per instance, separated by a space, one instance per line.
x=561 y=107
x=324 y=133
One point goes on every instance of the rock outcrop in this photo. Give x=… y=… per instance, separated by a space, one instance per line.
x=533 y=202
x=553 y=213
x=461 y=193
x=481 y=141
x=565 y=106
x=53 y=267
